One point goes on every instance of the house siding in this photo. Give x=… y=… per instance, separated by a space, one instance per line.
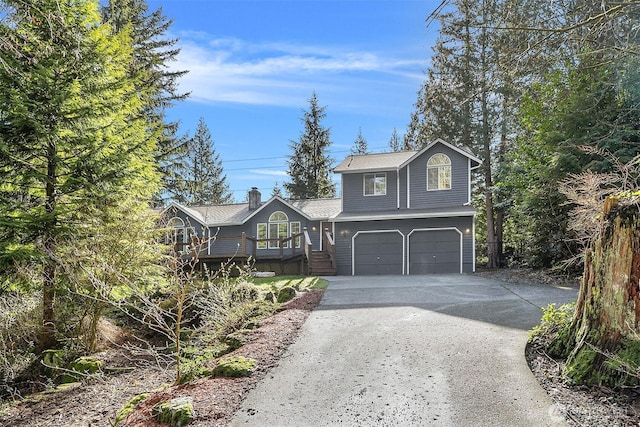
x=354 y=200
x=292 y=215
x=458 y=195
x=346 y=230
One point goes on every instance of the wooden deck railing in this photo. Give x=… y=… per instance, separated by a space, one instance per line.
x=248 y=246
x=329 y=245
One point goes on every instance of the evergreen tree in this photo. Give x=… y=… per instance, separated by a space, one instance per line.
x=360 y=144
x=153 y=51
x=200 y=177
x=277 y=190
x=72 y=142
x=309 y=164
x=394 y=142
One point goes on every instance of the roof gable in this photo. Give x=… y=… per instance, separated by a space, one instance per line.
x=239 y=213
x=464 y=151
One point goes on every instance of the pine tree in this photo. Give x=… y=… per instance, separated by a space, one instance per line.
x=277 y=190
x=394 y=142
x=360 y=144
x=153 y=51
x=201 y=180
x=309 y=164
x=72 y=141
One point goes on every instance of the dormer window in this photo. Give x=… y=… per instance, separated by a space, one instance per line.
x=375 y=184
x=439 y=172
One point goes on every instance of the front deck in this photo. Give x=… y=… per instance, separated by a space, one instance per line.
x=291 y=255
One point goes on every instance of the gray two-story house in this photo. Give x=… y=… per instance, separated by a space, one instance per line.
x=405 y=212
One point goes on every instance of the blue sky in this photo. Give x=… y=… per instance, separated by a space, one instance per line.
x=253 y=65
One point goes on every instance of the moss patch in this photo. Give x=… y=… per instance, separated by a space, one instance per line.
x=128 y=408
x=80 y=367
x=620 y=369
x=235 y=366
x=286 y=294
x=176 y=412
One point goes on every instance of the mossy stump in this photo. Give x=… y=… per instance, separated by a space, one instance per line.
x=606 y=321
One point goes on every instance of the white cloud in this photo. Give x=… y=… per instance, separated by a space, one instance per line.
x=270 y=172
x=234 y=70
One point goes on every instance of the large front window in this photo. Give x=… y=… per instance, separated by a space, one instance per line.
x=278 y=227
x=439 y=172
x=375 y=184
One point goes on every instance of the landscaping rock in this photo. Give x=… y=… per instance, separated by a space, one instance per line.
x=177 y=412
x=235 y=366
x=286 y=294
x=80 y=367
x=129 y=407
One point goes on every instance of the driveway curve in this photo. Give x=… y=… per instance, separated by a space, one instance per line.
x=411 y=351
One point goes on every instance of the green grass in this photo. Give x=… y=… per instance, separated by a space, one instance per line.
x=301 y=283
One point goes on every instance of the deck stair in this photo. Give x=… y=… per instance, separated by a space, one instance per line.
x=320 y=264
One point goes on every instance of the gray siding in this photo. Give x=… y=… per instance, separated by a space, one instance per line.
x=346 y=230
x=354 y=200
x=251 y=226
x=456 y=196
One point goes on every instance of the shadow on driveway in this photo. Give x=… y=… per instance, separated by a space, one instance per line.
x=473 y=297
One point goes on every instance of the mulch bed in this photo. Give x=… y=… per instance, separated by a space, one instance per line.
x=215 y=400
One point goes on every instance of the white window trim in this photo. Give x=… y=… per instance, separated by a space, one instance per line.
x=261 y=245
x=297 y=244
x=174 y=231
x=276 y=244
x=438 y=167
x=375 y=175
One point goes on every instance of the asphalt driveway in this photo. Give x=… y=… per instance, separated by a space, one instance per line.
x=411 y=350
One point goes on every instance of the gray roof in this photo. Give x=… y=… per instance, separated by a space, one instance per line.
x=238 y=213
x=380 y=161
x=391 y=161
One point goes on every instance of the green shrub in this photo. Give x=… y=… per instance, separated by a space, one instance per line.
x=553 y=330
x=194 y=360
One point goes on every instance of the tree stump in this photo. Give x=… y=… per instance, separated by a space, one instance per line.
x=603 y=341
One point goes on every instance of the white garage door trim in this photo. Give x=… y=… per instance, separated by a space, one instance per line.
x=353 y=247
x=433 y=229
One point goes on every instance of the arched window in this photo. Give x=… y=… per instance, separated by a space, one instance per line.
x=439 y=172
x=278 y=228
x=178 y=231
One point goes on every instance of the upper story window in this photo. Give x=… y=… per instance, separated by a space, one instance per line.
x=439 y=172
x=375 y=184
x=177 y=233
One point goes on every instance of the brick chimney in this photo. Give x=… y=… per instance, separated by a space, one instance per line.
x=254 y=198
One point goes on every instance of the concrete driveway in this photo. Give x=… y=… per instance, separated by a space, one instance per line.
x=411 y=351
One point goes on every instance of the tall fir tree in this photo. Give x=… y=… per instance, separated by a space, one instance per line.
x=309 y=164
x=360 y=145
x=394 y=141
x=201 y=180
x=153 y=52
x=72 y=141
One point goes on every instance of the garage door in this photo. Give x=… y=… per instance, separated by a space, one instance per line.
x=434 y=252
x=378 y=253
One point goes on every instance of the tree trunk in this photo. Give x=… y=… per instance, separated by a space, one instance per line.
x=608 y=307
x=48 y=333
